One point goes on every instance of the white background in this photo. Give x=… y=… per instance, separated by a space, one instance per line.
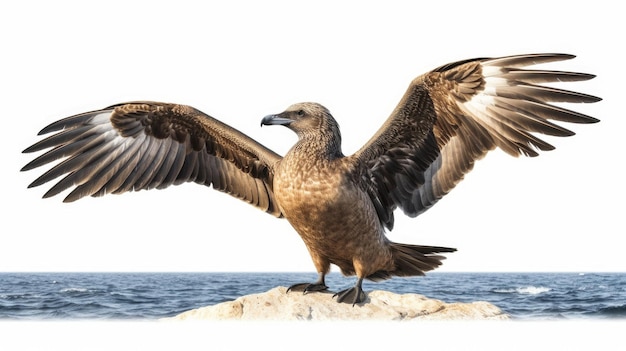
x=239 y=61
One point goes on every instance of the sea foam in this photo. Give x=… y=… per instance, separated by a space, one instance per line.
x=527 y=290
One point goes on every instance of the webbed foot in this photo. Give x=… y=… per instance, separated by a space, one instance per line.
x=308 y=287
x=352 y=295
x=318 y=286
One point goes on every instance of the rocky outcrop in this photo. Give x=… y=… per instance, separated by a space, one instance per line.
x=276 y=304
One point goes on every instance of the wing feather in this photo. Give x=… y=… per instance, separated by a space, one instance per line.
x=147 y=145
x=453 y=115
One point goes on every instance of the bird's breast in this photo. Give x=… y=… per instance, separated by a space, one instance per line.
x=308 y=190
x=325 y=206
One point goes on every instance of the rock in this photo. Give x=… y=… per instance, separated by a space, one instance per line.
x=276 y=304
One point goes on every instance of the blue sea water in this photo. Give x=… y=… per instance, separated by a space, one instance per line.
x=145 y=296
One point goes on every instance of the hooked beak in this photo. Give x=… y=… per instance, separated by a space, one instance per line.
x=275 y=120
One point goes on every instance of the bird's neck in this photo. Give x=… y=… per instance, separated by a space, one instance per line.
x=319 y=145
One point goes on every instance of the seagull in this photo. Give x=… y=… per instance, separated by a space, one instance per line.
x=340 y=205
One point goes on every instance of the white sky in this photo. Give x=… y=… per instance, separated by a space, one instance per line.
x=239 y=61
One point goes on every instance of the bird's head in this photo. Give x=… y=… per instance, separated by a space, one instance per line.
x=311 y=122
x=303 y=118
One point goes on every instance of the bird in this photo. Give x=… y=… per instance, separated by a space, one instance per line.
x=342 y=206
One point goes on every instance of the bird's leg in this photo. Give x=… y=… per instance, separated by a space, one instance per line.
x=319 y=285
x=353 y=295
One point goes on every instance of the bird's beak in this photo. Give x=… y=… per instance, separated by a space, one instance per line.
x=275 y=120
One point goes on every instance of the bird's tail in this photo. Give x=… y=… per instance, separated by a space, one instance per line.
x=415 y=259
x=411 y=260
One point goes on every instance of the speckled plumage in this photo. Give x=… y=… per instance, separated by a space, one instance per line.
x=340 y=205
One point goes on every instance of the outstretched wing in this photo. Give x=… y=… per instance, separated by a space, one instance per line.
x=453 y=115
x=146 y=145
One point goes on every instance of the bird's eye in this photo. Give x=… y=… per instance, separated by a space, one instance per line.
x=300 y=112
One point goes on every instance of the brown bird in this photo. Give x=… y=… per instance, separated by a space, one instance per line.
x=340 y=205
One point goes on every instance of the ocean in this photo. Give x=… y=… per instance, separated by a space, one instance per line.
x=150 y=296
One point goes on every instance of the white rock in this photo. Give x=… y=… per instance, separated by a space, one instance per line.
x=276 y=304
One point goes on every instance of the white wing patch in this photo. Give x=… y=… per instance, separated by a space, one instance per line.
x=102 y=118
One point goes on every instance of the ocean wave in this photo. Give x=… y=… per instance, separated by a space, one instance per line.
x=527 y=290
x=18 y=296
x=533 y=290
x=613 y=311
x=122 y=294
x=75 y=290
